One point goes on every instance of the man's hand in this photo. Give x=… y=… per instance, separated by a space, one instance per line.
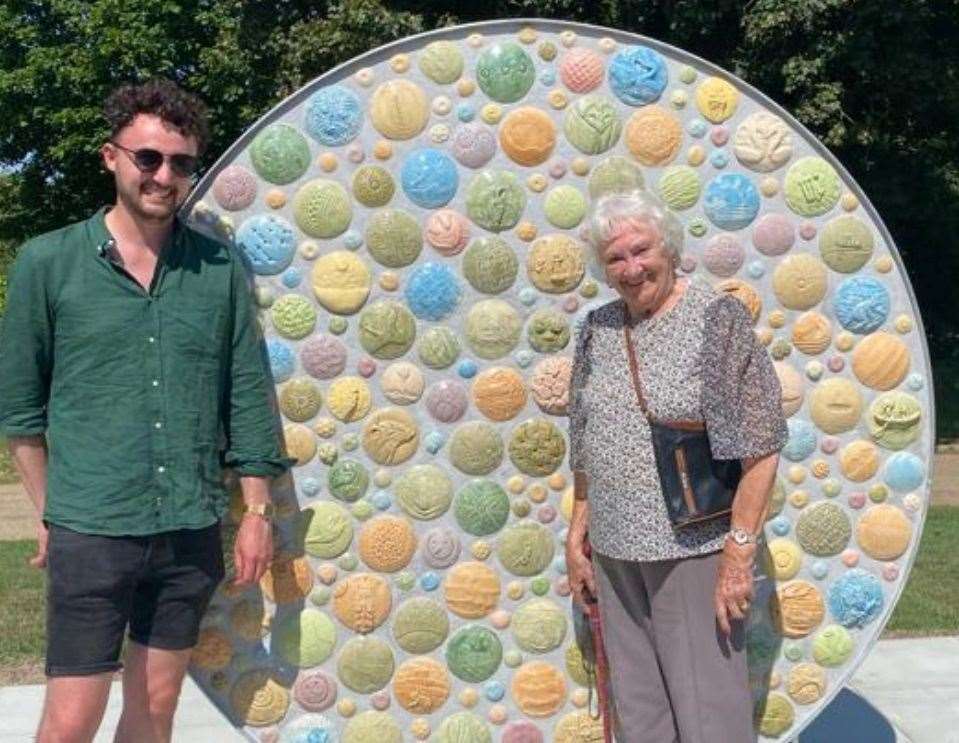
x=734 y=584
x=39 y=560
x=253 y=550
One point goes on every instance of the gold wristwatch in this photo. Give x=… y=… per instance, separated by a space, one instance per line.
x=266 y=510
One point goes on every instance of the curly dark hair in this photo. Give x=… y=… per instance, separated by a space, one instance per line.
x=182 y=110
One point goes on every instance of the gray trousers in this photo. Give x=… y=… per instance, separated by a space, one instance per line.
x=674 y=676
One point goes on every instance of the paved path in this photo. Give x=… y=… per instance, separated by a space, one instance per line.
x=913 y=683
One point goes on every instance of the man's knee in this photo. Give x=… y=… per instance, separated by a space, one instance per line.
x=162 y=701
x=72 y=722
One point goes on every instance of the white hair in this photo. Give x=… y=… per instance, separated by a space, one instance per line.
x=611 y=210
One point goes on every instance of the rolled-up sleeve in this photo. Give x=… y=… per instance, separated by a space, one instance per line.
x=741 y=397
x=577 y=410
x=251 y=425
x=26 y=348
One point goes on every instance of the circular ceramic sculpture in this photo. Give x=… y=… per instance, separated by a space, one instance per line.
x=413 y=223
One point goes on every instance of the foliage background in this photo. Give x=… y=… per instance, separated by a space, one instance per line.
x=873 y=79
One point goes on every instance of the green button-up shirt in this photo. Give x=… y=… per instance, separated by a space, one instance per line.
x=143 y=395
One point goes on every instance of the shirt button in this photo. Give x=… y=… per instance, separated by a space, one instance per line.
x=151 y=339
x=156 y=382
x=158 y=424
x=161 y=469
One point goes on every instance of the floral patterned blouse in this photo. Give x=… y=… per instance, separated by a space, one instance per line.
x=700 y=360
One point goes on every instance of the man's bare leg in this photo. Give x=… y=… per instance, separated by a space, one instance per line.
x=152 y=679
x=73 y=708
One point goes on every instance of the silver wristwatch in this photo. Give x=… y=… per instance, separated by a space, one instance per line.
x=740 y=536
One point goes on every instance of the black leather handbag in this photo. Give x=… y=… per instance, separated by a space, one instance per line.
x=697 y=487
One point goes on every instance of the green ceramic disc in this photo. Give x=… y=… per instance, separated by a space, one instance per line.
x=304 y=639
x=438 y=347
x=846 y=244
x=537 y=448
x=420 y=625
x=565 y=207
x=823 y=529
x=372 y=727
x=539 y=626
x=615 y=175
x=442 y=62
x=348 y=480
x=482 y=507
x=463 y=727
x=679 y=187
x=327 y=529
x=505 y=72
x=424 y=491
x=575 y=667
x=322 y=208
x=393 y=238
x=476 y=448
x=293 y=316
x=300 y=399
x=592 y=124
x=387 y=329
x=811 y=186
x=490 y=265
x=492 y=328
x=526 y=548
x=495 y=200
x=894 y=419
x=280 y=154
x=365 y=664
x=548 y=331
x=776 y=716
x=474 y=653
x=833 y=646
x=373 y=186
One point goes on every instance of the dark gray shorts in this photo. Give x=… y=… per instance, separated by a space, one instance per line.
x=97 y=586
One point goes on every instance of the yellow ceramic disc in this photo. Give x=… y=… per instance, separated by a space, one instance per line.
x=883 y=532
x=421 y=685
x=881 y=361
x=499 y=393
x=555 y=264
x=258 y=699
x=716 y=99
x=859 y=460
x=653 y=135
x=799 y=281
x=745 y=294
x=471 y=590
x=528 y=136
x=792 y=385
x=786 y=557
x=399 y=109
x=213 y=650
x=538 y=688
x=812 y=333
x=300 y=443
x=387 y=543
x=796 y=608
x=806 y=683
x=341 y=282
x=835 y=405
x=349 y=399
x=391 y=436
x=362 y=601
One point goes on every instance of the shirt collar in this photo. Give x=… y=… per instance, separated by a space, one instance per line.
x=100 y=236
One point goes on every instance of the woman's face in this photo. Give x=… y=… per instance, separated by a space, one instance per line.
x=637 y=264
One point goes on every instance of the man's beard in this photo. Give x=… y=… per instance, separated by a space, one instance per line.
x=153 y=211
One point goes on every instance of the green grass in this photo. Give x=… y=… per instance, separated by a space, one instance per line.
x=928 y=605
x=8 y=474
x=22 y=603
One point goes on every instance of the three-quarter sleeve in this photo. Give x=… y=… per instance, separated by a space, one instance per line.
x=253 y=443
x=26 y=349
x=577 y=410
x=741 y=394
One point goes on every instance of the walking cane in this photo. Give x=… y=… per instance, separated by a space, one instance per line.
x=598 y=668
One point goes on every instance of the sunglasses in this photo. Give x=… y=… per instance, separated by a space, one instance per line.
x=148 y=160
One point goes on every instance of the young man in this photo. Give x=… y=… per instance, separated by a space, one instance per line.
x=129 y=363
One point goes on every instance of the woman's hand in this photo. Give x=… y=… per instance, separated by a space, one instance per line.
x=734 y=584
x=579 y=568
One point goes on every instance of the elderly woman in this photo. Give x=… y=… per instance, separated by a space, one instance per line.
x=672 y=600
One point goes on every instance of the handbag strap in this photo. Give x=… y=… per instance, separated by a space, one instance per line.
x=638 y=386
